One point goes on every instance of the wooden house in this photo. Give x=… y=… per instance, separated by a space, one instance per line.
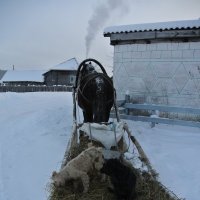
x=157 y=62
x=62 y=74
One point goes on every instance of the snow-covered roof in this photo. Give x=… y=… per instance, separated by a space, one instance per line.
x=2 y=72
x=70 y=64
x=170 y=25
x=23 y=75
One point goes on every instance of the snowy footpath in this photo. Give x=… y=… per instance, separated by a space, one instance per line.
x=34 y=132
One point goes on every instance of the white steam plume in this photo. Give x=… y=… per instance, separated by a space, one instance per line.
x=100 y=16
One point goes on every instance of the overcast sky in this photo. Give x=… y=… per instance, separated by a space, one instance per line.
x=38 y=34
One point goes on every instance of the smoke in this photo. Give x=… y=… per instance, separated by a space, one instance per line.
x=100 y=16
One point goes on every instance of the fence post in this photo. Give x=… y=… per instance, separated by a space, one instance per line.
x=155 y=114
x=127 y=100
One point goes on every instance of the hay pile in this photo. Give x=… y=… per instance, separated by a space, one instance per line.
x=147 y=188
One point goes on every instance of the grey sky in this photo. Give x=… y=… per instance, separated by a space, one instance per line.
x=43 y=33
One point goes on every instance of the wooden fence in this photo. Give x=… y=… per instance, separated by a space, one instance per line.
x=39 y=88
x=154 y=118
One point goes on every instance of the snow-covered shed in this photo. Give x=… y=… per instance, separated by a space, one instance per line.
x=157 y=62
x=23 y=77
x=62 y=74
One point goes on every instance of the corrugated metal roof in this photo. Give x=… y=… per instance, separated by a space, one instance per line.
x=159 y=26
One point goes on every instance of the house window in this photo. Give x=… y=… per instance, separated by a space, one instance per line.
x=72 y=79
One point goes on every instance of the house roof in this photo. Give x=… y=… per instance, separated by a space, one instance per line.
x=159 y=26
x=2 y=72
x=70 y=64
x=23 y=75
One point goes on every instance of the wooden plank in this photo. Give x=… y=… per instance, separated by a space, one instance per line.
x=178 y=34
x=159 y=120
x=120 y=102
x=133 y=36
x=164 y=108
x=143 y=156
x=154 y=35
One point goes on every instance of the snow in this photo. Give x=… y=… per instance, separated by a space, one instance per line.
x=174 y=152
x=153 y=26
x=70 y=64
x=37 y=75
x=34 y=132
x=23 y=75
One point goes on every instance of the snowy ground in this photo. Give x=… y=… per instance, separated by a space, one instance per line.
x=174 y=153
x=34 y=131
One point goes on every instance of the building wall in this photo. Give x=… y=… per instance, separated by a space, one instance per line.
x=56 y=77
x=164 y=73
x=71 y=77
